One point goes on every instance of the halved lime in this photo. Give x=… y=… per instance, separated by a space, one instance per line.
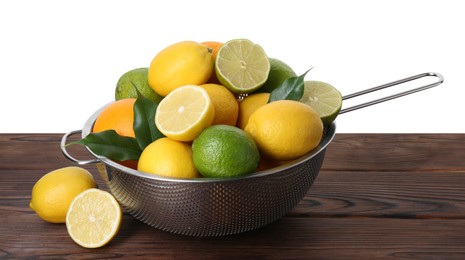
x=324 y=98
x=242 y=66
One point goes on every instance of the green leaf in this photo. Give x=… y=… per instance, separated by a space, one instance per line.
x=111 y=145
x=144 y=121
x=290 y=89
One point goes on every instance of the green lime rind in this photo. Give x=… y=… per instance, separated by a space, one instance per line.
x=279 y=72
x=138 y=78
x=223 y=151
x=242 y=66
x=325 y=99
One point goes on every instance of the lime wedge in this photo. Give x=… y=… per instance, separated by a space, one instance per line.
x=242 y=66
x=324 y=98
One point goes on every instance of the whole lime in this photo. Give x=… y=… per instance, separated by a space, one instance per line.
x=279 y=72
x=225 y=151
x=135 y=78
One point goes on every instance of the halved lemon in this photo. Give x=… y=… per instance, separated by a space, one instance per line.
x=242 y=66
x=184 y=113
x=93 y=218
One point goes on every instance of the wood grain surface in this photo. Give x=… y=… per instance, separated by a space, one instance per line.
x=388 y=196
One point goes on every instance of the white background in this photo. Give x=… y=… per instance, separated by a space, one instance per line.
x=60 y=60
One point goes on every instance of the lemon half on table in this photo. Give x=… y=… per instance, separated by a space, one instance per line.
x=93 y=218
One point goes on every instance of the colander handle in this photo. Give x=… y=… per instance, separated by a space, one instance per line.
x=64 y=140
x=440 y=80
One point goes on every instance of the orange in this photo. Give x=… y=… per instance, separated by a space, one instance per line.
x=266 y=164
x=214 y=46
x=225 y=104
x=129 y=163
x=118 y=116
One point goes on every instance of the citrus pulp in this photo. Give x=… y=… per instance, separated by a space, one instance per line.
x=184 y=113
x=242 y=66
x=324 y=98
x=93 y=218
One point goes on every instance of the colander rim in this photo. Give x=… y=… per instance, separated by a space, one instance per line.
x=326 y=140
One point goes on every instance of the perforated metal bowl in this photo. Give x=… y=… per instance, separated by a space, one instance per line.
x=207 y=206
x=215 y=207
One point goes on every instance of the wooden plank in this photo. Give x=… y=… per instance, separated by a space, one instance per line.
x=35 y=152
x=396 y=152
x=290 y=238
x=24 y=158
x=377 y=196
x=385 y=194
x=344 y=214
x=347 y=152
x=31 y=156
x=335 y=194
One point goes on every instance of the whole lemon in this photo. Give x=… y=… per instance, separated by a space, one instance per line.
x=248 y=105
x=53 y=193
x=285 y=129
x=224 y=103
x=167 y=157
x=183 y=63
x=214 y=46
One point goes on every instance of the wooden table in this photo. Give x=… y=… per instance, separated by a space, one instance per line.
x=377 y=195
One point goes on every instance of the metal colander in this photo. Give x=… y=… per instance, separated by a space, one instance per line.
x=214 y=207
